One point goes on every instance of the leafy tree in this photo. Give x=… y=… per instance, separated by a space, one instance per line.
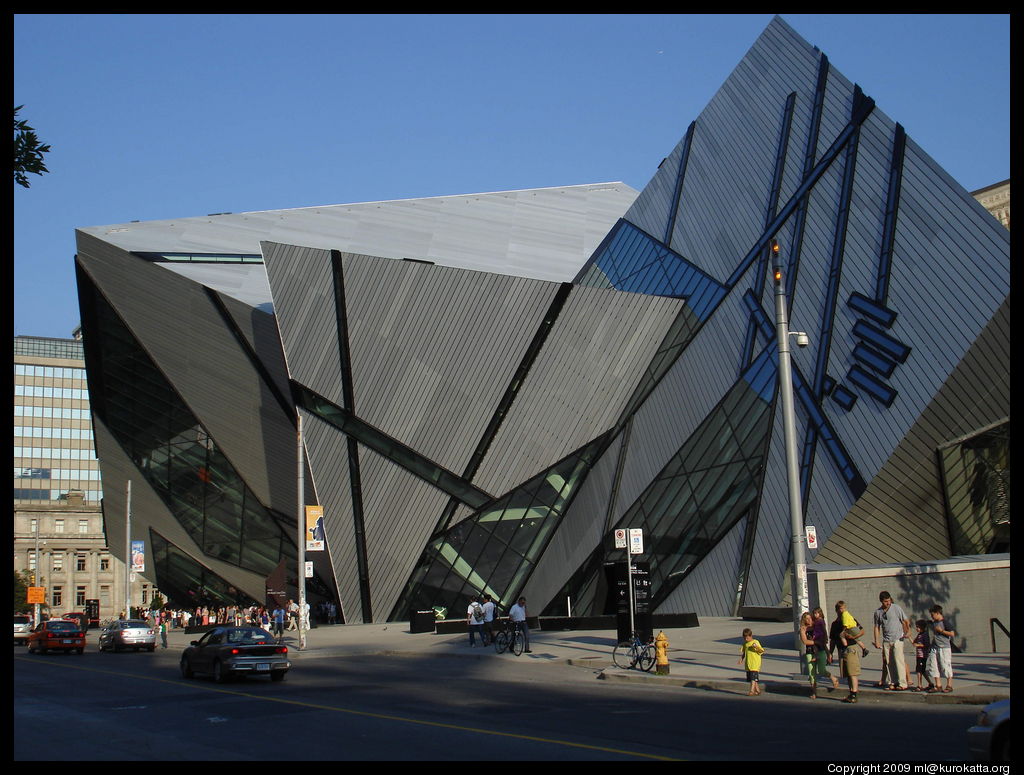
x=22 y=580
x=28 y=153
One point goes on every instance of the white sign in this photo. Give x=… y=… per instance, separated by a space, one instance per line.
x=812 y=537
x=636 y=540
x=620 y=539
x=309 y=569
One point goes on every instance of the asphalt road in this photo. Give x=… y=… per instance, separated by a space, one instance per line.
x=136 y=707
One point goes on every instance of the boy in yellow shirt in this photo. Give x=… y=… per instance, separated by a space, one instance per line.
x=750 y=658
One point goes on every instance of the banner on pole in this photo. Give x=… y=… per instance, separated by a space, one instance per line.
x=138 y=556
x=315 y=536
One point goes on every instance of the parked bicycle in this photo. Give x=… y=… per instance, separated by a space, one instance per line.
x=509 y=637
x=634 y=653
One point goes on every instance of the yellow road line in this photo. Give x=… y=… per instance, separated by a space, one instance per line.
x=368 y=714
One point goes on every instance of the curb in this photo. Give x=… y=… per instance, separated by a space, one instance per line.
x=801 y=690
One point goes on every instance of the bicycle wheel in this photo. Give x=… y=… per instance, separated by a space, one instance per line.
x=518 y=641
x=646 y=660
x=623 y=656
x=501 y=641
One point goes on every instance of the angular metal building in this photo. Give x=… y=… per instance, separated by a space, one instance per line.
x=490 y=384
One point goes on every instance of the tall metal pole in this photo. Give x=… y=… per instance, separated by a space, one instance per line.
x=128 y=552
x=301 y=582
x=801 y=601
x=35 y=577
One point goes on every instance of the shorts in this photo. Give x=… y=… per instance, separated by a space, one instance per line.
x=753 y=675
x=922 y=665
x=851 y=661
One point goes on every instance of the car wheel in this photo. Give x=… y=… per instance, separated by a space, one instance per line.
x=278 y=675
x=186 y=669
x=218 y=672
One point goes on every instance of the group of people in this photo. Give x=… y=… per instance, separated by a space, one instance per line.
x=891 y=630
x=276 y=619
x=483 y=613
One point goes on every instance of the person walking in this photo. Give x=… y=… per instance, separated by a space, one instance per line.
x=488 y=607
x=843 y=636
x=817 y=656
x=518 y=615
x=475 y=621
x=890 y=631
x=940 y=656
x=278 y=617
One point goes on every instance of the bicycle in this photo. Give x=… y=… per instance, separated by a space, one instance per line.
x=509 y=638
x=634 y=653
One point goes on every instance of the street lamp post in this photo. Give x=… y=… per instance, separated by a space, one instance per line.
x=301 y=580
x=799 y=594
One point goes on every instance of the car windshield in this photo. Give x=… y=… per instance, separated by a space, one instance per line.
x=247 y=636
x=21 y=620
x=61 y=626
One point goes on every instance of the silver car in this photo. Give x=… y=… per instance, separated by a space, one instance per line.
x=22 y=627
x=127 y=634
x=989 y=739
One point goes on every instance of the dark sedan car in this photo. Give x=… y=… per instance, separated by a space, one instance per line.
x=225 y=652
x=56 y=635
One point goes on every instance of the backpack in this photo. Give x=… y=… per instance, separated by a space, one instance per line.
x=478 y=613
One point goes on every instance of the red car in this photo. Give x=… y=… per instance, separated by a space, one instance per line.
x=56 y=635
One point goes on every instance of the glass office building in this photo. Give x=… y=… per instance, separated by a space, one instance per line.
x=491 y=384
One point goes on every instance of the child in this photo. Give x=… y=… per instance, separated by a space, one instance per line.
x=921 y=649
x=750 y=657
x=940 y=657
x=850 y=623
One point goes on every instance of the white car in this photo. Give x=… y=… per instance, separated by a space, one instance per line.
x=22 y=627
x=989 y=739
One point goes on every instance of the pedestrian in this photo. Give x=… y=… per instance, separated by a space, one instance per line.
x=475 y=621
x=163 y=634
x=940 y=656
x=921 y=649
x=891 y=627
x=278 y=617
x=750 y=658
x=488 y=607
x=293 y=615
x=518 y=615
x=816 y=653
x=844 y=636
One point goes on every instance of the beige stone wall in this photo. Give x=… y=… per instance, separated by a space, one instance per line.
x=996 y=199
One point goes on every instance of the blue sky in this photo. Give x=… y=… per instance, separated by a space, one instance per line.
x=165 y=116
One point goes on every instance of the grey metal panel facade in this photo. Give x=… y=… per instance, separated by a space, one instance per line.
x=583 y=527
x=181 y=330
x=435 y=348
x=543 y=233
x=598 y=348
x=327 y=456
x=901 y=508
x=400 y=512
x=305 y=307
x=150 y=513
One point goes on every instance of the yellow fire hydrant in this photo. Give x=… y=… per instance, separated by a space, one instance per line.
x=661 y=653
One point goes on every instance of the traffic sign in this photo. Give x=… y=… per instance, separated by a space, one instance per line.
x=636 y=540
x=620 y=539
x=812 y=537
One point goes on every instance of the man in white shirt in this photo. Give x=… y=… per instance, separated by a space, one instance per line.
x=518 y=615
x=488 y=607
x=475 y=622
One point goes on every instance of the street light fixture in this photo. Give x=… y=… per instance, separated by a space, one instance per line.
x=799 y=594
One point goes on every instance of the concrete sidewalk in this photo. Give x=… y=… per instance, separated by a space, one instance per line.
x=703 y=657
